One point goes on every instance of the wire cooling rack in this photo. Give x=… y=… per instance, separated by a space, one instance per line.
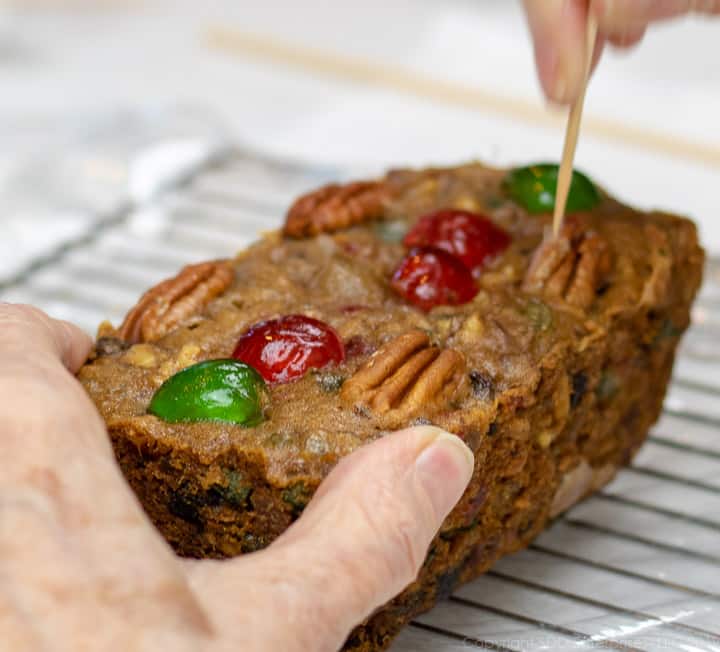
x=635 y=567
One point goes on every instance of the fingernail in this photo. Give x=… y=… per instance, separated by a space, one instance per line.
x=444 y=468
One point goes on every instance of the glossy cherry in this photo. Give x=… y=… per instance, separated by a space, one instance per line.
x=216 y=390
x=430 y=277
x=284 y=349
x=471 y=237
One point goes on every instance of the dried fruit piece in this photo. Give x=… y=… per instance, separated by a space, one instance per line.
x=534 y=188
x=237 y=490
x=285 y=349
x=357 y=346
x=608 y=387
x=430 y=277
x=471 y=237
x=579 y=388
x=482 y=386
x=577 y=483
x=172 y=302
x=336 y=207
x=109 y=345
x=329 y=382
x=572 y=266
x=407 y=377
x=215 y=390
x=297 y=496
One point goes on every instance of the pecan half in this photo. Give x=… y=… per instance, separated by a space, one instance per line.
x=406 y=377
x=572 y=267
x=174 y=301
x=336 y=207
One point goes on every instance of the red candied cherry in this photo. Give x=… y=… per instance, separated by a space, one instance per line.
x=284 y=349
x=430 y=277
x=471 y=237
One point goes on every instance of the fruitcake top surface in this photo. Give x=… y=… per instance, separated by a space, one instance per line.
x=432 y=296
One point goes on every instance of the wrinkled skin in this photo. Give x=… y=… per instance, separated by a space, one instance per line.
x=83 y=569
x=558 y=28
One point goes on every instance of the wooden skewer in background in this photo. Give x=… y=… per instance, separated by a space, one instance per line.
x=326 y=64
x=573 y=131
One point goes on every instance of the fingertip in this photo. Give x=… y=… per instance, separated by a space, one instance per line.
x=75 y=344
x=451 y=447
x=564 y=88
x=560 y=91
x=558 y=30
x=445 y=468
x=541 y=20
x=552 y=81
x=627 y=38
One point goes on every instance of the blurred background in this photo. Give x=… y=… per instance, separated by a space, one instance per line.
x=88 y=87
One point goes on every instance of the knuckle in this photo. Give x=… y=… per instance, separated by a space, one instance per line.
x=30 y=333
x=404 y=539
x=21 y=321
x=21 y=312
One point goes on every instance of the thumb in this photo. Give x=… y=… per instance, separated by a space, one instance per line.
x=359 y=543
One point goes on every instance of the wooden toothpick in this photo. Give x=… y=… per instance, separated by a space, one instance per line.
x=573 y=131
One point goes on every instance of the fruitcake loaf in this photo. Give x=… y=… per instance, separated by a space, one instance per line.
x=426 y=297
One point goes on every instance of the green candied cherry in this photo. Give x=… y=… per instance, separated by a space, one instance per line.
x=534 y=188
x=217 y=390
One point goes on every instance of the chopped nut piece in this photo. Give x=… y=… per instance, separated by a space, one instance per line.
x=579 y=482
x=141 y=355
x=573 y=487
x=545 y=439
x=472 y=329
x=466 y=203
x=186 y=357
x=189 y=355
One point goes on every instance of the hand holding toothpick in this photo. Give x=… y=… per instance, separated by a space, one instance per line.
x=561 y=28
x=558 y=29
x=573 y=131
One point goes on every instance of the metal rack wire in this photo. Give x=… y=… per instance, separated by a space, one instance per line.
x=635 y=567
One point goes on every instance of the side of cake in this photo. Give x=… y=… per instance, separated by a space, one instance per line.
x=433 y=296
